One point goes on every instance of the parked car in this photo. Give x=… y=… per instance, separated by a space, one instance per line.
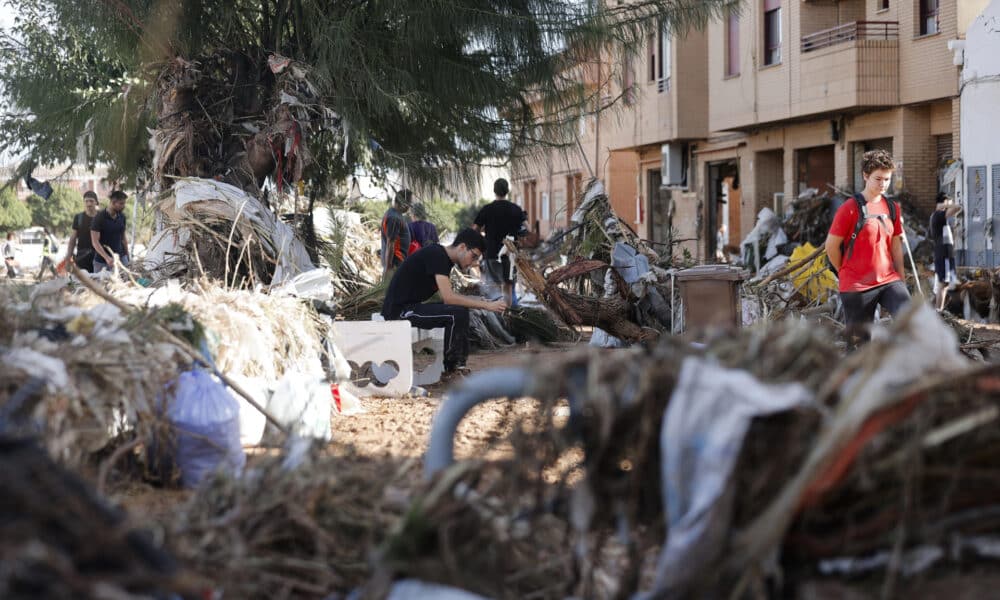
x=30 y=244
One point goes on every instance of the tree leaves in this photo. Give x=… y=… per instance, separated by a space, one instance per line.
x=14 y=214
x=418 y=85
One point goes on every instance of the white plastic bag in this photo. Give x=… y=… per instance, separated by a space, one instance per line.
x=207 y=422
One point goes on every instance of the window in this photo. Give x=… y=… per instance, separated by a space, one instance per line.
x=663 y=53
x=883 y=4
x=732 y=43
x=928 y=16
x=651 y=55
x=772 y=32
x=628 y=78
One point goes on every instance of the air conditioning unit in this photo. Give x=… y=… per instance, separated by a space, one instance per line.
x=673 y=171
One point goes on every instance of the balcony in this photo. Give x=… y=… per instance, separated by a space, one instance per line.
x=855 y=65
x=849 y=32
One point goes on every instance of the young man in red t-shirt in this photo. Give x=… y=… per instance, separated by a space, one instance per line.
x=872 y=273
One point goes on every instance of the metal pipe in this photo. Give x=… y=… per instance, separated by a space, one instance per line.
x=495 y=383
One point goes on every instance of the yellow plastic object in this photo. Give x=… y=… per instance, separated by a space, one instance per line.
x=815 y=282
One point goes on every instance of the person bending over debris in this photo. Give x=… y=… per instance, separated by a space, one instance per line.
x=499 y=219
x=107 y=233
x=427 y=271
x=395 y=233
x=865 y=247
x=945 y=277
x=80 y=239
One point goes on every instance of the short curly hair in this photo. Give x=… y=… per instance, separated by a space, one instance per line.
x=876 y=159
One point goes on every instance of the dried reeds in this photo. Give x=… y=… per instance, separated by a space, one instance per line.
x=284 y=531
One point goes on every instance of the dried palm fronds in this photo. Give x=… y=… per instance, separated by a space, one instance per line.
x=352 y=253
x=216 y=229
x=288 y=532
x=536 y=324
x=363 y=303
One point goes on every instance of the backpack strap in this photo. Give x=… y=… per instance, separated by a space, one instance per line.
x=862 y=218
x=858 y=225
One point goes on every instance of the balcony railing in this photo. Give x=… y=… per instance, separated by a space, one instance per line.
x=858 y=30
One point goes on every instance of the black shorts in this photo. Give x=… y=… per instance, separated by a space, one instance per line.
x=944 y=261
x=498 y=270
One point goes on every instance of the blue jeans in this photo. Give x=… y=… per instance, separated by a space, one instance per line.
x=100 y=265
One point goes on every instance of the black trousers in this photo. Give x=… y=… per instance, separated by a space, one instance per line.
x=859 y=307
x=454 y=319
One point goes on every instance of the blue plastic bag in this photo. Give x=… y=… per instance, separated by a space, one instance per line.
x=207 y=421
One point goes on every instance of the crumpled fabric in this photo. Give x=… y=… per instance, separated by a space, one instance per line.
x=707 y=419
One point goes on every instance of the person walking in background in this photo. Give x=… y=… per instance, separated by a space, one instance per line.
x=865 y=246
x=49 y=249
x=80 y=240
x=941 y=233
x=107 y=233
x=10 y=255
x=395 y=232
x=499 y=219
x=422 y=231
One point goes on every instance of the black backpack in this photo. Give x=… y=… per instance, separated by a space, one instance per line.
x=847 y=246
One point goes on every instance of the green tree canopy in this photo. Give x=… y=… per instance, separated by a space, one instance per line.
x=56 y=214
x=14 y=214
x=393 y=84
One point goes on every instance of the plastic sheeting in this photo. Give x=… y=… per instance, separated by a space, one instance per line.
x=291 y=254
x=708 y=416
x=815 y=282
x=208 y=427
x=302 y=402
x=632 y=266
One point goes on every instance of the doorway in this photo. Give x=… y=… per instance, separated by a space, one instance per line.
x=815 y=169
x=723 y=197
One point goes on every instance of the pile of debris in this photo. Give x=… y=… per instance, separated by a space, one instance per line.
x=872 y=449
x=59 y=539
x=86 y=368
x=631 y=296
x=215 y=229
x=300 y=525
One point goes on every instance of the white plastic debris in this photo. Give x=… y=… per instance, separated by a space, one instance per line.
x=707 y=418
x=36 y=364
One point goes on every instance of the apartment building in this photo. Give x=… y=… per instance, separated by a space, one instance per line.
x=809 y=86
x=660 y=107
x=548 y=182
x=778 y=97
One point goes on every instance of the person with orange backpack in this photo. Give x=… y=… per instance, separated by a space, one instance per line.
x=865 y=249
x=395 y=233
x=422 y=231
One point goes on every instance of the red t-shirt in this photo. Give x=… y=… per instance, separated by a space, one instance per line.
x=870 y=264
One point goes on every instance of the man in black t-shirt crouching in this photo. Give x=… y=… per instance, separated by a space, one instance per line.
x=427 y=271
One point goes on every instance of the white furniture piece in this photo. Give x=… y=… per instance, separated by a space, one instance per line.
x=381 y=356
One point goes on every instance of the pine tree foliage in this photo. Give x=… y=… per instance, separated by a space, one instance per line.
x=387 y=84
